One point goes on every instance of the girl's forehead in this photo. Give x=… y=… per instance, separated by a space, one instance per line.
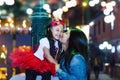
x=58 y=26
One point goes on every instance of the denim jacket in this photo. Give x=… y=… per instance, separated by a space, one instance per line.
x=77 y=69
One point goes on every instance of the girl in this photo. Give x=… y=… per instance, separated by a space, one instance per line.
x=44 y=59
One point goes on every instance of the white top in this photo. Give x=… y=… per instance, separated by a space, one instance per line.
x=43 y=43
x=56 y=45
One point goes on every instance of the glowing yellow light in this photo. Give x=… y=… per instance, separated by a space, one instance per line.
x=78 y=27
x=3 y=45
x=11 y=25
x=6 y=24
x=3 y=75
x=24 y=23
x=9 y=19
x=84 y=4
x=2 y=55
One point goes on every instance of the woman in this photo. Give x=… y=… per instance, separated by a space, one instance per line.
x=73 y=65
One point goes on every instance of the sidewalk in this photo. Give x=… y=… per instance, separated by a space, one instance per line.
x=21 y=76
x=102 y=76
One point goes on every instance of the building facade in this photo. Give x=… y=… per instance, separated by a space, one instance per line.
x=109 y=32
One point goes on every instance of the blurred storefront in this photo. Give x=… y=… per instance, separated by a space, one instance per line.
x=6 y=47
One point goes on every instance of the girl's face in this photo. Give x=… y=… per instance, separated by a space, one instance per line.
x=57 y=31
x=65 y=37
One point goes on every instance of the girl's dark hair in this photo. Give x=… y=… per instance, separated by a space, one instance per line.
x=78 y=44
x=51 y=41
x=48 y=31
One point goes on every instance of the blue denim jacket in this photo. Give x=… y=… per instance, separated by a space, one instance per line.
x=77 y=69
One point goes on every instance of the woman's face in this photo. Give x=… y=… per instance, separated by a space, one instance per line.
x=57 y=31
x=65 y=37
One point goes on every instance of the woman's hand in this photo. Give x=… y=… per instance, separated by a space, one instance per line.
x=57 y=66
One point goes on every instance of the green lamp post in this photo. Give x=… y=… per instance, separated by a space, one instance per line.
x=40 y=20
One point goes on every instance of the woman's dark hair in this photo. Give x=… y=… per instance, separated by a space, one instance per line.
x=78 y=44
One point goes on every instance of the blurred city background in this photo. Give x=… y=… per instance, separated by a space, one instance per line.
x=99 y=19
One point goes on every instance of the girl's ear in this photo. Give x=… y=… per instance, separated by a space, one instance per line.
x=48 y=29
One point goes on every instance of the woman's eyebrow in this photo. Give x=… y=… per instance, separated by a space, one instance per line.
x=65 y=31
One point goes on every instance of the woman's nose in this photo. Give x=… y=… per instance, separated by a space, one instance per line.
x=61 y=36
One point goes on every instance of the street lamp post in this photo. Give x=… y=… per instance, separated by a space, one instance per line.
x=84 y=4
x=40 y=20
x=106 y=47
